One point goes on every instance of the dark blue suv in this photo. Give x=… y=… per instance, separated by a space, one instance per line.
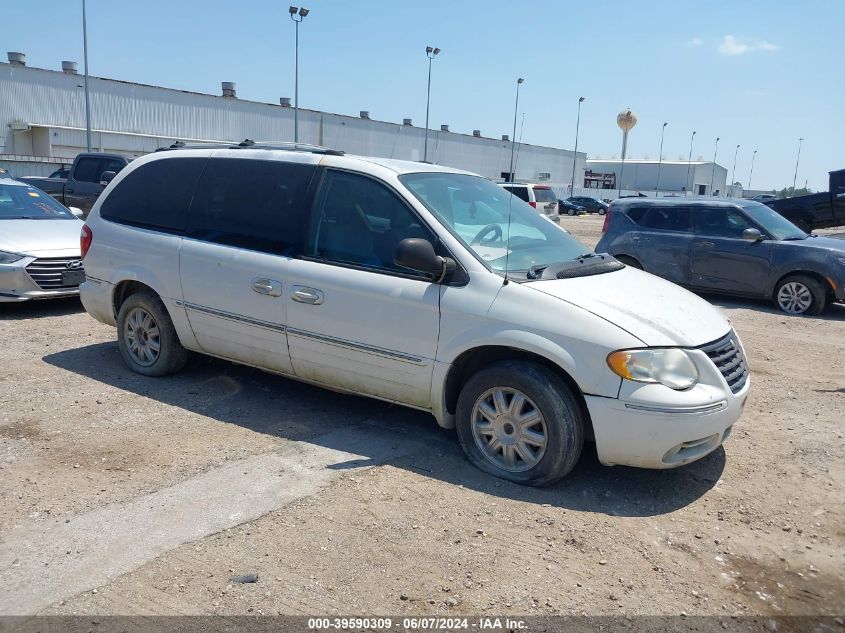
x=735 y=247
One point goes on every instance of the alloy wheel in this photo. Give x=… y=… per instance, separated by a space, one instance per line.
x=142 y=337
x=509 y=429
x=794 y=298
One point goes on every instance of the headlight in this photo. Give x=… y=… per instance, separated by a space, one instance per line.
x=671 y=367
x=8 y=258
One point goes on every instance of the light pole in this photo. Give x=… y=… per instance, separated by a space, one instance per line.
x=575 y=157
x=430 y=52
x=513 y=138
x=795 y=177
x=713 y=173
x=733 y=174
x=296 y=12
x=660 y=158
x=751 y=173
x=689 y=163
x=87 y=97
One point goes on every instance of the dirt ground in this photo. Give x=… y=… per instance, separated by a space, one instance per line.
x=341 y=505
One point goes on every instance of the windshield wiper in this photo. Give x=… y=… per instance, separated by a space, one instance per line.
x=536 y=271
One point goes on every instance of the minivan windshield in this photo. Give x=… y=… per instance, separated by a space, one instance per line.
x=502 y=230
x=28 y=203
x=777 y=226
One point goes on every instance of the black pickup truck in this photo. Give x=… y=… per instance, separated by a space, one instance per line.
x=818 y=210
x=85 y=180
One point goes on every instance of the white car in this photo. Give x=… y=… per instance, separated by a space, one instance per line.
x=416 y=284
x=39 y=245
x=541 y=197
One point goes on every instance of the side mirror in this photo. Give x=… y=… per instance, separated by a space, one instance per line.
x=752 y=235
x=106 y=177
x=418 y=254
x=76 y=211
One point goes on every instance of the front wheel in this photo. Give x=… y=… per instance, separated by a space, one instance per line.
x=519 y=421
x=799 y=294
x=602 y=211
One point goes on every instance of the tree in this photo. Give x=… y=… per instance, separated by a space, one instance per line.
x=789 y=192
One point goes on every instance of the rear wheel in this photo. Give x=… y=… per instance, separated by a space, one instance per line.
x=519 y=421
x=800 y=294
x=630 y=261
x=146 y=337
x=602 y=211
x=571 y=211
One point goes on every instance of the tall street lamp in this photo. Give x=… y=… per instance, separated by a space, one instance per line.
x=689 y=163
x=795 y=177
x=660 y=158
x=87 y=97
x=751 y=173
x=430 y=52
x=713 y=173
x=513 y=138
x=575 y=156
x=297 y=15
x=733 y=174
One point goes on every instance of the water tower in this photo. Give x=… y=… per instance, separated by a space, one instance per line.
x=626 y=120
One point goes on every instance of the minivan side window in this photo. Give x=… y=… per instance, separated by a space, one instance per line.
x=259 y=205
x=663 y=218
x=358 y=220
x=156 y=195
x=721 y=222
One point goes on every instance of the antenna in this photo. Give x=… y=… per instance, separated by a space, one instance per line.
x=510 y=202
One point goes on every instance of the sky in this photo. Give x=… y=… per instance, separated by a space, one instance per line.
x=756 y=73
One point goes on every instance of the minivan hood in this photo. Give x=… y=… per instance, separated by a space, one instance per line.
x=654 y=310
x=34 y=237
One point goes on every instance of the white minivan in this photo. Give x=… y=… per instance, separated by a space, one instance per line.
x=417 y=284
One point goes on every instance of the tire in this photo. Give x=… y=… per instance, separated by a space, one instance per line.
x=571 y=211
x=143 y=323
x=602 y=211
x=555 y=441
x=800 y=295
x=630 y=261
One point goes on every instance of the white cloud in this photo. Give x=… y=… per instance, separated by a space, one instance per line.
x=732 y=45
x=696 y=41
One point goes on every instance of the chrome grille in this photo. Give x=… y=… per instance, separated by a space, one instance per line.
x=47 y=272
x=727 y=355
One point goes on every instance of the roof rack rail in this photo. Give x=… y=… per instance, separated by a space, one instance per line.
x=250 y=144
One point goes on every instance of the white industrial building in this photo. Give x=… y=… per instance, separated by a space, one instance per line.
x=698 y=177
x=42 y=125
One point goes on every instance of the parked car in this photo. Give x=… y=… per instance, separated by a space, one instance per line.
x=541 y=197
x=317 y=266
x=590 y=204
x=738 y=247
x=89 y=174
x=570 y=208
x=763 y=197
x=39 y=245
x=818 y=210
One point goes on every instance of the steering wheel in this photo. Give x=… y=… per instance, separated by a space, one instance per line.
x=495 y=229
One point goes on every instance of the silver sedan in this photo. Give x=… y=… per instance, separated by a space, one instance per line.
x=39 y=245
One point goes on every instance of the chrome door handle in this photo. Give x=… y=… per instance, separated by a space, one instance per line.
x=268 y=287
x=311 y=296
x=705 y=244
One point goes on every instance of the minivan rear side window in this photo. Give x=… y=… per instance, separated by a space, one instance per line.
x=259 y=205
x=519 y=192
x=156 y=195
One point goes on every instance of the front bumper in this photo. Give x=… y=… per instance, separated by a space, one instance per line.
x=16 y=284
x=652 y=426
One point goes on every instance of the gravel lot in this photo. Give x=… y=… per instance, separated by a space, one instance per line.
x=121 y=494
